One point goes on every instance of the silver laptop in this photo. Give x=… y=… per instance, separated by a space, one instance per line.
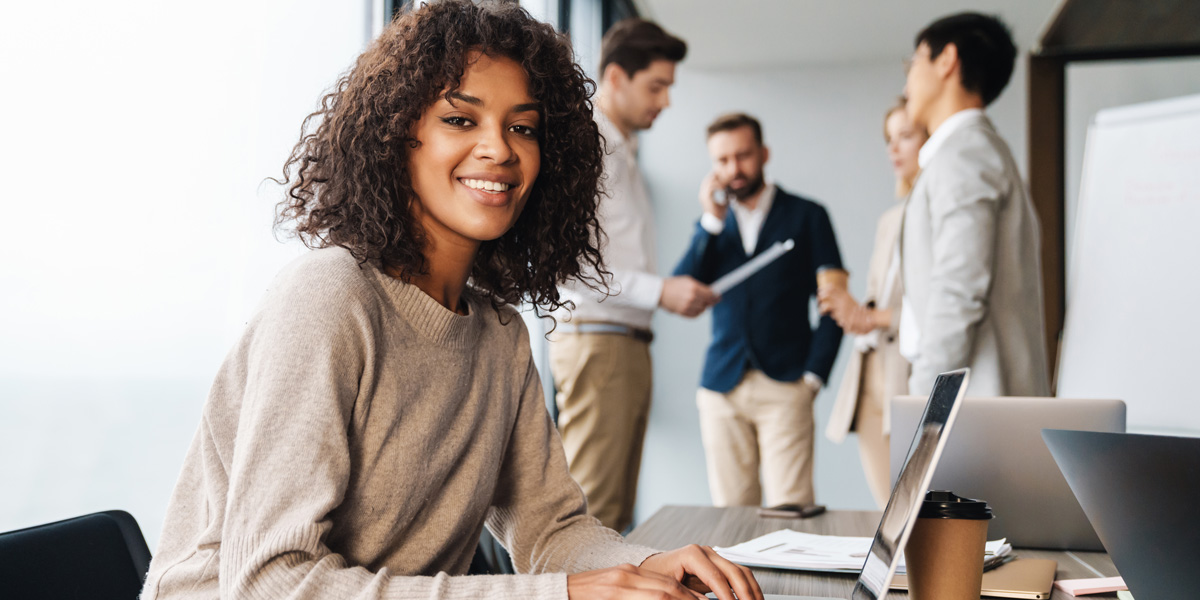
x=1140 y=492
x=997 y=455
x=907 y=495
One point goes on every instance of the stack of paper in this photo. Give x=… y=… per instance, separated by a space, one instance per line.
x=787 y=549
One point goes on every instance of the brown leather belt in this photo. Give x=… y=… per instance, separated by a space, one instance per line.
x=641 y=335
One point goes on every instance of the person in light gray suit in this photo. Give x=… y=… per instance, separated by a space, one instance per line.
x=969 y=244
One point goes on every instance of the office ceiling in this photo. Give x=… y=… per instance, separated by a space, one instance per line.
x=771 y=33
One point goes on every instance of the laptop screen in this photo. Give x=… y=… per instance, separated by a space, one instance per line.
x=909 y=491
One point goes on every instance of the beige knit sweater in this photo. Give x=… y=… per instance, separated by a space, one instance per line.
x=355 y=442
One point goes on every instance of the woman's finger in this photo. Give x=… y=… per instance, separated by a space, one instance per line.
x=625 y=581
x=738 y=579
x=699 y=563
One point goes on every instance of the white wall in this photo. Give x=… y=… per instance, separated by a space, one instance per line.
x=138 y=228
x=824 y=126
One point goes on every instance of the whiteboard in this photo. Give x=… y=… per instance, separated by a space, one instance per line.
x=1132 y=328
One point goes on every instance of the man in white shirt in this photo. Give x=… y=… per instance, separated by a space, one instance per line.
x=600 y=351
x=970 y=241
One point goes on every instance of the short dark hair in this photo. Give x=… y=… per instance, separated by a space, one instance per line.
x=635 y=43
x=731 y=121
x=985 y=50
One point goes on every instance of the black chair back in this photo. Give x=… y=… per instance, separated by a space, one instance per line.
x=100 y=556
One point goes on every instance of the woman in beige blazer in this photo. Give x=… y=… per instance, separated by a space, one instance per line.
x=876 y=371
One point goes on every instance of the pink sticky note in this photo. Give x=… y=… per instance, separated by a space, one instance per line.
x=1099 y=585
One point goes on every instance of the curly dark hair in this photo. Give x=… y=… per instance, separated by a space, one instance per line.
x=348 y=182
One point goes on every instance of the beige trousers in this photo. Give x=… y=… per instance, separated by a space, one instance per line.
x=868 y=424
x=604 y=383
x=761 y=423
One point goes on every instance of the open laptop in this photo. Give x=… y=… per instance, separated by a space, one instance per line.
x=996 y=454
x=1140 y=492
x=909 y=491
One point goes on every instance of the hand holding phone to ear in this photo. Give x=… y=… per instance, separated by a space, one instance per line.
x=713 y=198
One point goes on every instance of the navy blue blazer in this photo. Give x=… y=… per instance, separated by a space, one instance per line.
x=763 y=323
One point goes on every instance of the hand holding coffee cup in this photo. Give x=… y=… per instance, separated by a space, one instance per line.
x=832 y=278
x=833 y=290
x=944 y=555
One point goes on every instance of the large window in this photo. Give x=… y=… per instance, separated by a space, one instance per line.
x=139 y=227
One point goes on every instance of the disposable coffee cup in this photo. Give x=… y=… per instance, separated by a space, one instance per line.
x=944 y=554
x=832 y=277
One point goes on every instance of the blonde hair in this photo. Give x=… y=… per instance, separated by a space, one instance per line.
x=904 y=185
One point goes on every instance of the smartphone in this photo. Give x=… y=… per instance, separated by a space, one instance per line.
x=791 y=511
x=720 y=196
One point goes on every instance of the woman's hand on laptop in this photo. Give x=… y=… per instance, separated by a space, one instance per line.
x=700 y=568
x=625 y=581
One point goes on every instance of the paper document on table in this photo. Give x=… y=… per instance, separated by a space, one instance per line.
x=754 y=265
x=788 y=549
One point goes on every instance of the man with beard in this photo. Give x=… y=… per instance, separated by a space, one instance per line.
x=766 y=362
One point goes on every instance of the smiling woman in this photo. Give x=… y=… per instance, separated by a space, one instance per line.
x=476 y=158
x=382 y=407
x=351 y=179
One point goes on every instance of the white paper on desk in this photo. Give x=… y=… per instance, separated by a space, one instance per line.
x=788 y=549
x=752 y=266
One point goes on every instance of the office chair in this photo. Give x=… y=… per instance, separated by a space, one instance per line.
x=101 y=556
x=490 y=557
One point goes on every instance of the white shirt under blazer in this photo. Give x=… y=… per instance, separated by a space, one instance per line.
x=885 y=344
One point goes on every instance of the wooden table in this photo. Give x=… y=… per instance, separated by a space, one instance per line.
x=675 y=526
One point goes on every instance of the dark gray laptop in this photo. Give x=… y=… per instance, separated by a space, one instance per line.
x=901 y=513
x=1141 y=493
x=997 y=454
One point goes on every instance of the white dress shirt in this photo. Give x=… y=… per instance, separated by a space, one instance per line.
x=627 y=220
x=910 y=334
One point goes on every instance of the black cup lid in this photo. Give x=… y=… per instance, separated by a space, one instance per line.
x=941 y=504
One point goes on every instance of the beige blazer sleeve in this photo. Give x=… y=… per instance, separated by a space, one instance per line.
x=886 y=234
x=963 y=200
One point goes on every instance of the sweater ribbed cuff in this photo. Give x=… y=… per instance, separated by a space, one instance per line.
x=295 y=564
